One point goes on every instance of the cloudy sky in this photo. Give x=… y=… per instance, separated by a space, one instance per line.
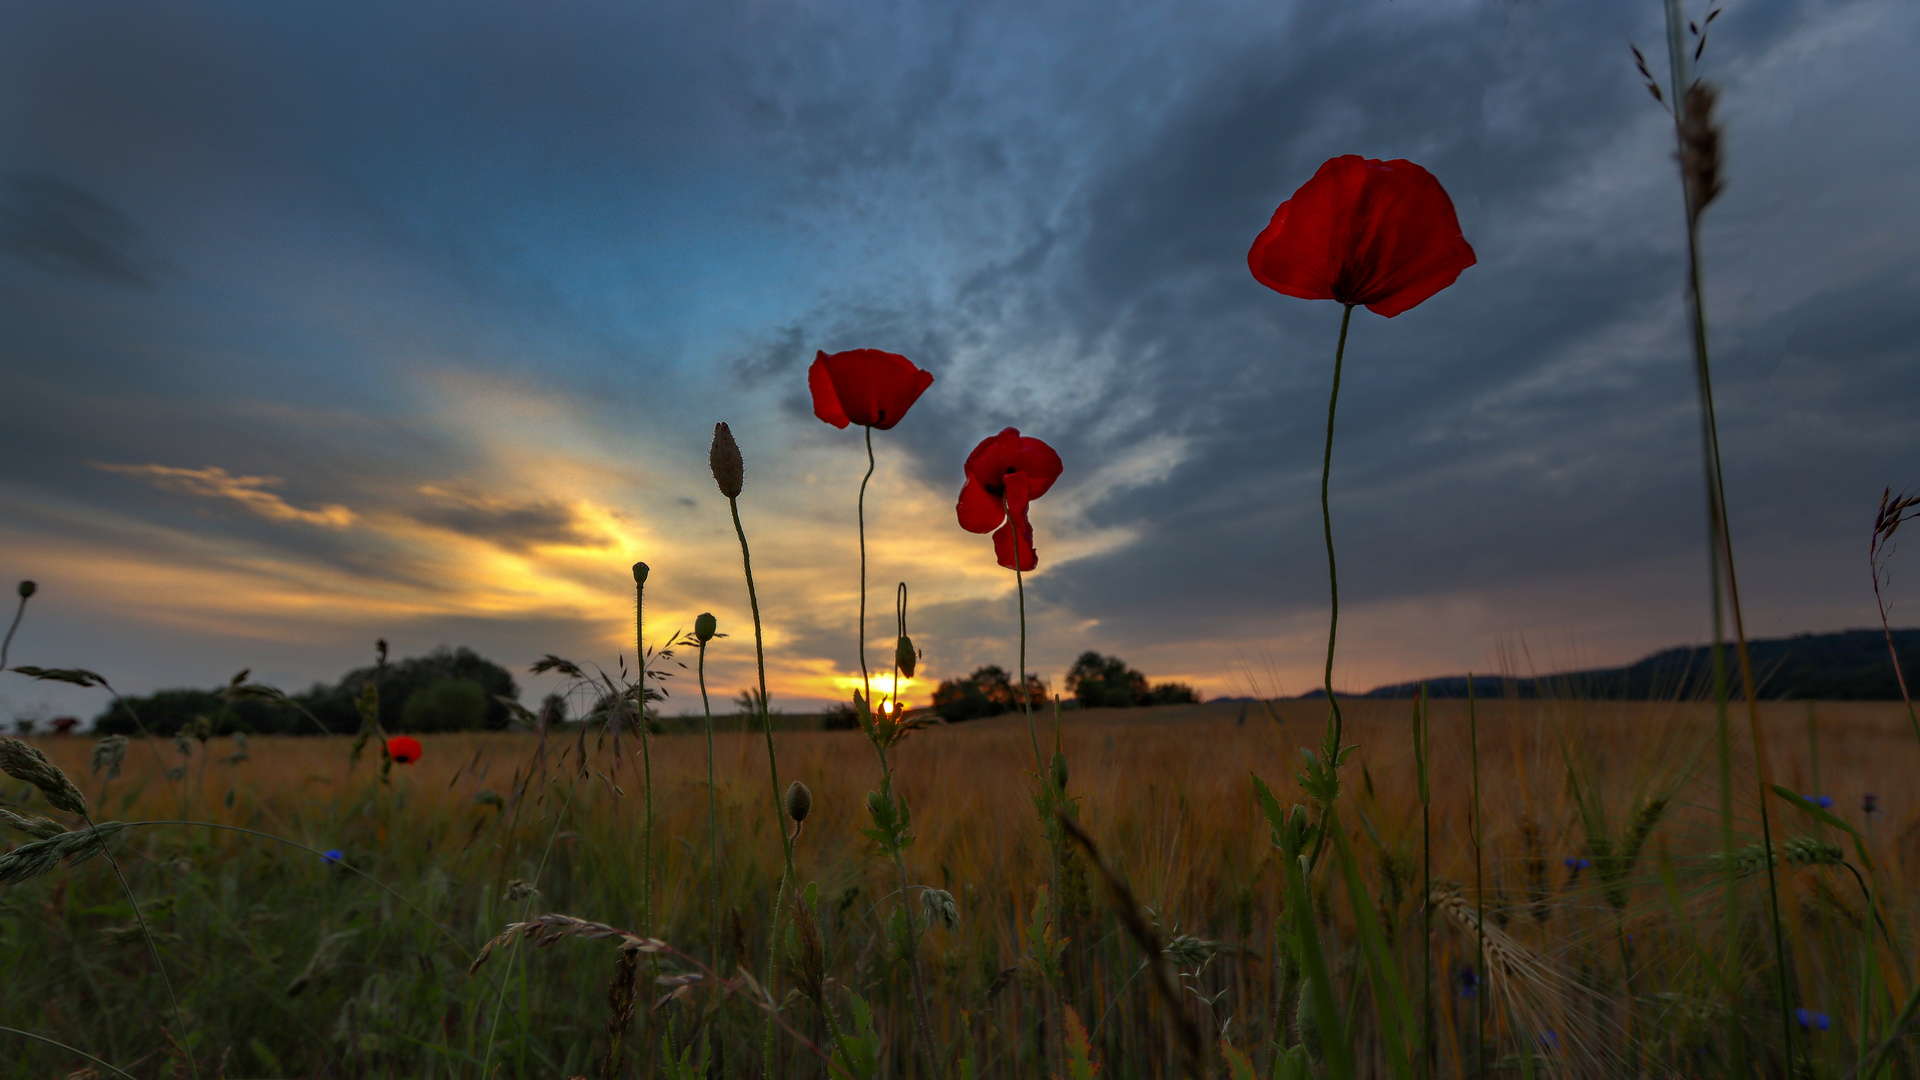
x=328 y=322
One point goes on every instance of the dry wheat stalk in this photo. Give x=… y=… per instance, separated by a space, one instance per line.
x=548 y=929
x=1535 y=991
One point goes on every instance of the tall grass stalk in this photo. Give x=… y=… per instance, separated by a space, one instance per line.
x=1479 y=890
x=26 y=590
x=704 y=630
x=1697 y=141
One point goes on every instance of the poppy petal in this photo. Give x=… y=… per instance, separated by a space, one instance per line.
x=1003 y=544
x=1019 y=494
x=996 y=456
x=979 y=511
x=826 y=400
x=1041 y=465
x=874 y=388
x=1379 y=233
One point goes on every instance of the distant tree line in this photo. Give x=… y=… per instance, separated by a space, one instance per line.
x=445 y=690
x=1095 y=681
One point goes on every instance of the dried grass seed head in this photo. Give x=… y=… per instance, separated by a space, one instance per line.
x=1700 y=146
x=24 y=762
x=729 y=471
x=108 y=754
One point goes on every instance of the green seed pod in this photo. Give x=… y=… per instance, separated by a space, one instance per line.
x=729 y=471
x=639 y=573
x=904 y=656
x=705 y=626
x=27 y=588
x=799 y=802
x=1060 y=770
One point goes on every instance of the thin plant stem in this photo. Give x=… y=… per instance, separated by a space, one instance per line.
x=1426 y=889
x=773 y=776
x=1720 y=534
x=1334 y=720
x=526 y=909
x=646 y=755
x=866 y=685
x=75 y=1051
x=159 y=965
x=713 y=838
x=19 y=612
x=1479 y=892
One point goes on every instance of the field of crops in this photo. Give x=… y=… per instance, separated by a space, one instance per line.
x=288 y=961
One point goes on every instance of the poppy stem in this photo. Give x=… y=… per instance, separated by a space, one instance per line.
x=1335 y=721
x=646 y=753
x=773 y=775
x=866 y=681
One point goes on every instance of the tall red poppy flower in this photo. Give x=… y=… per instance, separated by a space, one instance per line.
x=1381 y=234
x=1005 y=473
x=403 y=749
x=865 y=386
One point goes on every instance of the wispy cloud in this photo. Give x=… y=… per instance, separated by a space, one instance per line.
x=214 y=482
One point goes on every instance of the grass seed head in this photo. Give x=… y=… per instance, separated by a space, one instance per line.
x=33 y=825
x=24 y=762
x=31 y=860
x=941 y=907
x=799 y=802
x=729 y=471
x=1700 y=146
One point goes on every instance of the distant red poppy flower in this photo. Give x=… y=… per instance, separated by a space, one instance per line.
x=403 y=749
x=865 y=386
x=1362 y=231
x=1005 y=473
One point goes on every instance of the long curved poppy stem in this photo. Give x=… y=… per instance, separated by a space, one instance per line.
x=866 y=681
x=1335 y=722
x=20 y=612
x=773 y=776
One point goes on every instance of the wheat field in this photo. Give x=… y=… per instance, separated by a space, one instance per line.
x=290 y=963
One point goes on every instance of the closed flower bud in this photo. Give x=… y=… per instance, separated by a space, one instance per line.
x=639 y=573
x=705 y=627
x=27 y=588
x=799 y=802
x=904 y=656
x=724 y=458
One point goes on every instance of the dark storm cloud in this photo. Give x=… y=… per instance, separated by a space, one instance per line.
x=50 y=223
x=665 y=209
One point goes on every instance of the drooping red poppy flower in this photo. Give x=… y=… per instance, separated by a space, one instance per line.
x=1005 y=473
x=1362 y=231
x=865 y=386
x=403 y=749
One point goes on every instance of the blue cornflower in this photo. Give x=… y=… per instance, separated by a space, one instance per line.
x=1469 y=982
x=334 y=856
x=1809 y=1020
x=1824 y=802
x=1870 y=802
x=1549 y=1040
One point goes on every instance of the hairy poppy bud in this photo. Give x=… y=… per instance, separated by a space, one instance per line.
x=799 y=802
x=1060 y=770
x=27 y=588
x=724 y=458
x=639 y=573
x=705 y=627
x=904 y=656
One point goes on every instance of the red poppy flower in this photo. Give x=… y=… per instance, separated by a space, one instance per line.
x=1005 y=473
x=1378 y=233
x=865 y=386
x=404 y=749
